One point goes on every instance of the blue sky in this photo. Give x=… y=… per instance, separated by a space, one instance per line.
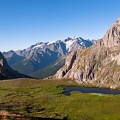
x=26 y=22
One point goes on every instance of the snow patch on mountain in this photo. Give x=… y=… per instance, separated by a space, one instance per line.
x=68 y=44
x=52 y=42
x=82 y=44
x=38 y=46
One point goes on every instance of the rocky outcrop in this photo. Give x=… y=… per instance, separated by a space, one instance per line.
x=112 y=37
x=5 y=115
x=69 y=62
x=99 y=64
x=7 y=72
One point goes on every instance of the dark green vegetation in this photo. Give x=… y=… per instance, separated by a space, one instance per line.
x=44 y=99
x=49 y=70
x=32 y=64
x=32 y=69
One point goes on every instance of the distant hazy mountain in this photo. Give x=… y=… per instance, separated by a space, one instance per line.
x=43 y=54
x=7 y=72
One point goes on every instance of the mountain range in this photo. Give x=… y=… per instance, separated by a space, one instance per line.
x=99 y=64
x=86 y=63
x=41 y=55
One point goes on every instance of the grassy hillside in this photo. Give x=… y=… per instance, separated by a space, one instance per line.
x=25 y=67
x=44 y=99
x=49 y=70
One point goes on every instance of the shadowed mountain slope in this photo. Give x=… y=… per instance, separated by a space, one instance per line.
x=7 y=72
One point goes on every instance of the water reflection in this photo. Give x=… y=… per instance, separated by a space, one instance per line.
x=69 y=89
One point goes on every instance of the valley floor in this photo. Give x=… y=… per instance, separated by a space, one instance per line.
x=43 y=99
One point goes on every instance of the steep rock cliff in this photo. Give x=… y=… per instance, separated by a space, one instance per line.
x=99 y=64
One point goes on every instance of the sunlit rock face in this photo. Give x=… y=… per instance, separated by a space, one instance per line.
x=112 y=37
x=99 y=64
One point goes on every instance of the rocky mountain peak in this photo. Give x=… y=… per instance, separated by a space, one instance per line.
x=67 y=39
x=117 y=21
x=112 y=37
x=98 y=65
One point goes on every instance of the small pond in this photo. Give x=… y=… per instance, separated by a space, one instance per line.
x=69 y=89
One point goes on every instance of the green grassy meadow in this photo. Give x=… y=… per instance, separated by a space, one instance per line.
x=42 y=98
